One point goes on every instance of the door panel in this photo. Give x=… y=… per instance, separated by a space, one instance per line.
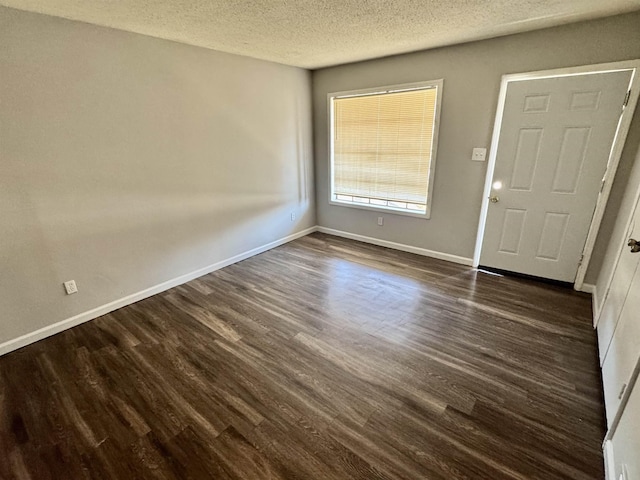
x=571 y=159
x=585 y=100
x=624 y=350
x=553 y=148
x=626 y=440
x=512 y=230
x=536 y=104
x=619 y=290
x=552 y=236
x=526 y=158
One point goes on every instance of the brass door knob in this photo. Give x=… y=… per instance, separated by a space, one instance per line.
x=635 y=245
x=494 y=199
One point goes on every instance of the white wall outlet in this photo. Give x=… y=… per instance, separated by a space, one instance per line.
x=380 y=221
x=70 y=287
x=293 y=216
x=479 y=154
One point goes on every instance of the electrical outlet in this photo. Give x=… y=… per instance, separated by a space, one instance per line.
x=380 y=221
x=70 y=287
x=479 y=154
x=293 y=216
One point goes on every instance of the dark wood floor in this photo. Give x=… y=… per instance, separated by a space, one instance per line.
x=321 y=359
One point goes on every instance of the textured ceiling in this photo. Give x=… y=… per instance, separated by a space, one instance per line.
x=319 y=33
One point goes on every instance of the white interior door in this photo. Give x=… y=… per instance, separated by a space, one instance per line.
x=554 y=144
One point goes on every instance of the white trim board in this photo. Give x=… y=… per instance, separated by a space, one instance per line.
x=588 y=288
x=595 y=305
x=593 y=290
x=609 y=464
x=62 y=325
x=398 y=246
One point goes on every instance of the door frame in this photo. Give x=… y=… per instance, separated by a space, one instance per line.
x=612 y=164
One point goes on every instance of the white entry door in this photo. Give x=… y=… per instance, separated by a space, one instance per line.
x=554 y=144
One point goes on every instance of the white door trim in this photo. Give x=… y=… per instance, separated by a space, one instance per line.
x=614 y=157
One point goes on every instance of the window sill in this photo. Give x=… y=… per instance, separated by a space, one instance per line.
x=379 y=209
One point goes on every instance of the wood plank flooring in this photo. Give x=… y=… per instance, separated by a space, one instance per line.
x=321 y=359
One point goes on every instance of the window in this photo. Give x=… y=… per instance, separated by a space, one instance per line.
x=383 y=144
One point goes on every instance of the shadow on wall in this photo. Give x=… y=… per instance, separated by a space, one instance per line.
x=129 y=161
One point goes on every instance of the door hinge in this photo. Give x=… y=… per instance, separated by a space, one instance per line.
x=626 y=99
x=581 y=260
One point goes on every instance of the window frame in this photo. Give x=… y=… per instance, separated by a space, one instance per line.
x=438 y=84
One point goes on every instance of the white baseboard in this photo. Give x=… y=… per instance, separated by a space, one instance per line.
x=592 y=289
x=398 y=246
x=62 y=325
x=595 y=304
x=588 y=288
x=609 y=464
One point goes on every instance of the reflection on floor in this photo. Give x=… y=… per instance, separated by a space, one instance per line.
x=321 y=359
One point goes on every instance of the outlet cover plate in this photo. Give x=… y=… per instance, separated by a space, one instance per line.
x=70 y=287
x=479 y=154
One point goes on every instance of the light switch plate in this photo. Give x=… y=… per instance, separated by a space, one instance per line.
x=479 y=154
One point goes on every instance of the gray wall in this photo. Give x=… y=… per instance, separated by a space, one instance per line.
x=471 y=74
x=127 y=161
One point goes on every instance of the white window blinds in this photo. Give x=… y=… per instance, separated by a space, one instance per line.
x=382 y=147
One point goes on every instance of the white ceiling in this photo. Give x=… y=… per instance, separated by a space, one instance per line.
x=320 y=33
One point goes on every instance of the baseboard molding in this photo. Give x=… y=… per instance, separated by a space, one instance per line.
x=595 y=305
x=595 y=308
x=609 y=464
x=62 y=325
x=588 y=288
x=398 y=246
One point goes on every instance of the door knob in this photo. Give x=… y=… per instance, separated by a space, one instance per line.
x=494 y=199
x=635 y=245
